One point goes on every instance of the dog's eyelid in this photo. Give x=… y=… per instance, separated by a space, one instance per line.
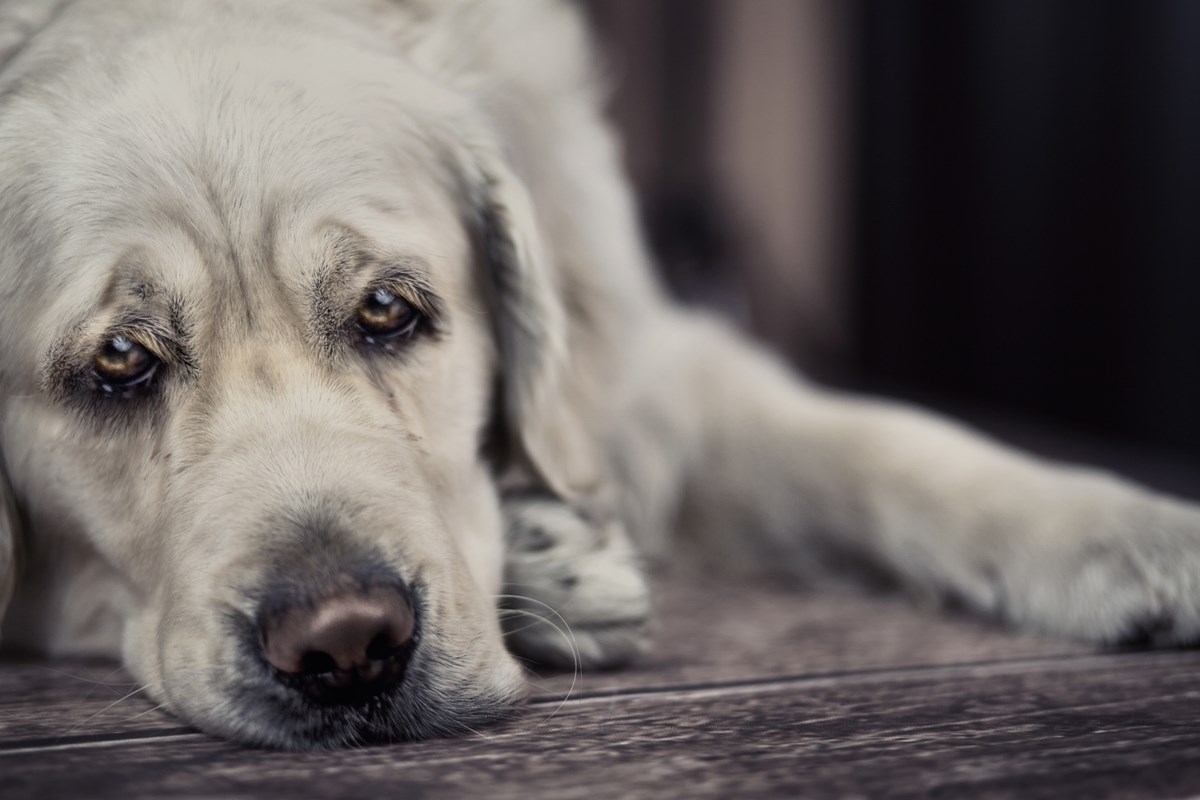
x=358 y=268
x=163 y=351
x=417 y=293
x=155 y=336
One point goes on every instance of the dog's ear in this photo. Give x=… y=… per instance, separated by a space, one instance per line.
x=539 y=426
x=20 y=21
x=9 y=530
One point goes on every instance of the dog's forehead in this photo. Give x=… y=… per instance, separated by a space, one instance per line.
x=220 y=170
x=185 y=139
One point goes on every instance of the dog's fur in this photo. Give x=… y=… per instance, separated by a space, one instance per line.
x=223 y=181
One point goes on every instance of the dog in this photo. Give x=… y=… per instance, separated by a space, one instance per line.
x=332 y=356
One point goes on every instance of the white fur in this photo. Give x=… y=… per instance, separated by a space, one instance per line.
x=208 y=164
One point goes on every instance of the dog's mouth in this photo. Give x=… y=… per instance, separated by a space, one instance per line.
x=357 y=661
x=282 y=715
x=395 y=694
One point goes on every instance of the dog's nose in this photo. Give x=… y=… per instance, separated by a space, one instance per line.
x=342 y=648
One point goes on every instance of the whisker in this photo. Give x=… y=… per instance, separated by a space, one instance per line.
x=158 y=707
x=510 y=613
x=114 y=703
x=477 y=733
x=102 y=682
x=569 y=637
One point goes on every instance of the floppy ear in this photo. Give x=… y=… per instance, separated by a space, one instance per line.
x=20 y=20
x=540 y=424
x=9 y=526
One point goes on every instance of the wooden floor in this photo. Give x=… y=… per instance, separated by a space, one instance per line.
x=753 y=691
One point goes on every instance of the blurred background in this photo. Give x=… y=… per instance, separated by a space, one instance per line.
x=990 y=207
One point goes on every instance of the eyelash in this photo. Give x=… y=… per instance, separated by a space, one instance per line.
x=169 y=357
x=426 y=319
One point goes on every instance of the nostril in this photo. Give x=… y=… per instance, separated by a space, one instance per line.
x=383 y=646
x=343 y=647
x=317 y=663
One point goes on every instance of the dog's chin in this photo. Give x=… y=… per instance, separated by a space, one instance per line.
x=259 y=710
x=272 y=715
x=444 y=691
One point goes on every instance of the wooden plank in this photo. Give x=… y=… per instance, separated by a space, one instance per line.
x=71 y=699
x=1102 y=726
x=710 y=632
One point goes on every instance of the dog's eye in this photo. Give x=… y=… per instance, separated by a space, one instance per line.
x=123 y=365
x=383 y=315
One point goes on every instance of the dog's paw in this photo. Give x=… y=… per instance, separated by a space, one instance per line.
x=575 y=590
x=1129 y=574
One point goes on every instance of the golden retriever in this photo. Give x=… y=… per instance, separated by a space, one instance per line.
x=329 y=348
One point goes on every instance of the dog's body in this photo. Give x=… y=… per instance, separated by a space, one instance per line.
x=311 y=304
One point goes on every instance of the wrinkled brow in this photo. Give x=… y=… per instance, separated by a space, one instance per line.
x=131 y=303
x=352 y=264
x=350 y=257
x=133 y=298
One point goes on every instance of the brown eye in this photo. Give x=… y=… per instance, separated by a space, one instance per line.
x=383 y=315
x=122 y=364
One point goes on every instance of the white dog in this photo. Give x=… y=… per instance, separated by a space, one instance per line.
x=323 y=322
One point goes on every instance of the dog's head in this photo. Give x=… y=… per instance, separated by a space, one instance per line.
x=272 y=304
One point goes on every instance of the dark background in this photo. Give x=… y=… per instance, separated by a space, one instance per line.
x=994 y=204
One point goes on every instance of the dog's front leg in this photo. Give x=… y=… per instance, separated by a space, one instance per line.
x=576 y=592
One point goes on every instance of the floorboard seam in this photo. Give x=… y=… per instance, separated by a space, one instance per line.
x=95 y=743
x=678 y=692
x=1083 y=660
